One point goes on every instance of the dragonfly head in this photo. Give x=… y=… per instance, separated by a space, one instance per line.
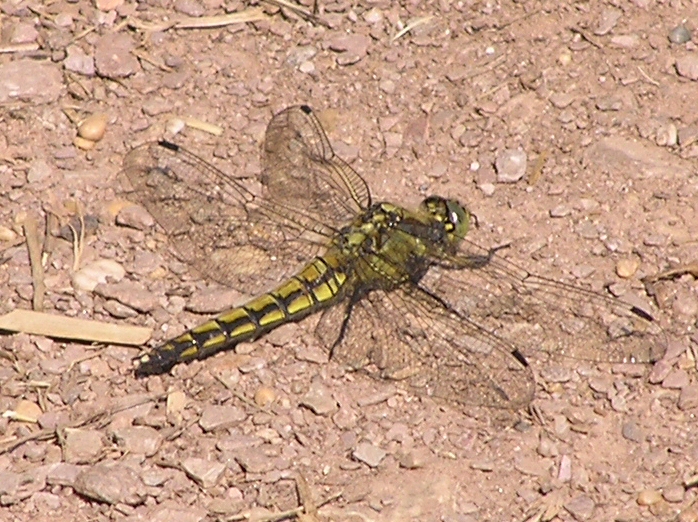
x=453 y=216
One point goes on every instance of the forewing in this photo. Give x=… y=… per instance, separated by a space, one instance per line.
x=541 y=314
x=302 y=171
x=216 y=223
x=240 y=232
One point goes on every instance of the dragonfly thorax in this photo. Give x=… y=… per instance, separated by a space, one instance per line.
x=367 y=230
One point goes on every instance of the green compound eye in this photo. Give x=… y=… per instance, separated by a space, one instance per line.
x=459 y=217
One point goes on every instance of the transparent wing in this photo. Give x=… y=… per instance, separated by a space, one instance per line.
x=302 y=171
x=243 y=232
x=413 y=337
x=542 y=314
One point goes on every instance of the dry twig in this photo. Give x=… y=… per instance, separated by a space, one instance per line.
x=411 y=25
x=537 y=170
x=31 y=233
x=300 y=11
x=19 y=48
x=689 y=268
x=152 y=61
x=78 y=238
x=61 y=327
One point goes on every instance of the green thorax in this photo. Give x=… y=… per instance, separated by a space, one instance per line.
x=387 y=245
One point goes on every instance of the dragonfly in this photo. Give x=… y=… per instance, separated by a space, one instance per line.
x=400 y=294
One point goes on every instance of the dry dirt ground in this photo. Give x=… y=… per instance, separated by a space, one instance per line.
x=421 y=98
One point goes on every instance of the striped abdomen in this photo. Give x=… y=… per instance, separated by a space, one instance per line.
x=315 y=287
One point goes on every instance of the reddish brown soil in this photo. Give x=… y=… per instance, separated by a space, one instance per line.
x=591 y=92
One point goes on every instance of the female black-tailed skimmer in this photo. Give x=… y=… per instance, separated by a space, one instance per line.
x=403 y=294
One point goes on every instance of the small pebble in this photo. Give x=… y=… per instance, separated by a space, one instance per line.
x=556 y=373
x=7 y=234
x=19 y=81
x=129 y=293
x=483 y=465
x=39 y=171
x=346 y=418
x=547 y=448
x=667 y=135
x=319 y=399
x=387 y=86
x=510 y=165
x=487 y=188
x=582 y=271
x=108 y=5
x=659 y=372
x=220 y=416
x=93 y=127
x=685 y=303
x=565 y=58
x=63 y=20
x=301 y=54
x=608 y=20
x=256 y=460
x=79 y=61
x=627 y=267
x=373 y=15
x=155 y=477
x=560 y=211
x=27 y=411
x=175 y=125
x=113 y=56
x=375 y=398
x=204 y=472
x=680 y=35
x=626 y=41
x=619 y=403
x=307 y=67
x=565 y=472
x=354 y=45
x=141 y=440
x=135 y=216
x=92 y=274
x=687 y=135
x=45 y=502
x=632 y=432
x=600 y=384
x=412 y=460
x=532 y=466
x=176 y=401
x=264 y=396
x=253 y=364
x=649 y=497
x=189 y=7
x=116 y=309
x=82 y=446
x=687 y=66
x=688 y=398
x=609 y=103
x=562 y=100
x=111 y=484
x=581 y=507
x=311 y=353
x=369 y=454
x=676 y=379
x=673 y=493
x=82 y=143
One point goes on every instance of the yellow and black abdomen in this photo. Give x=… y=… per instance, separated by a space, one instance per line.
x=317 y=286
